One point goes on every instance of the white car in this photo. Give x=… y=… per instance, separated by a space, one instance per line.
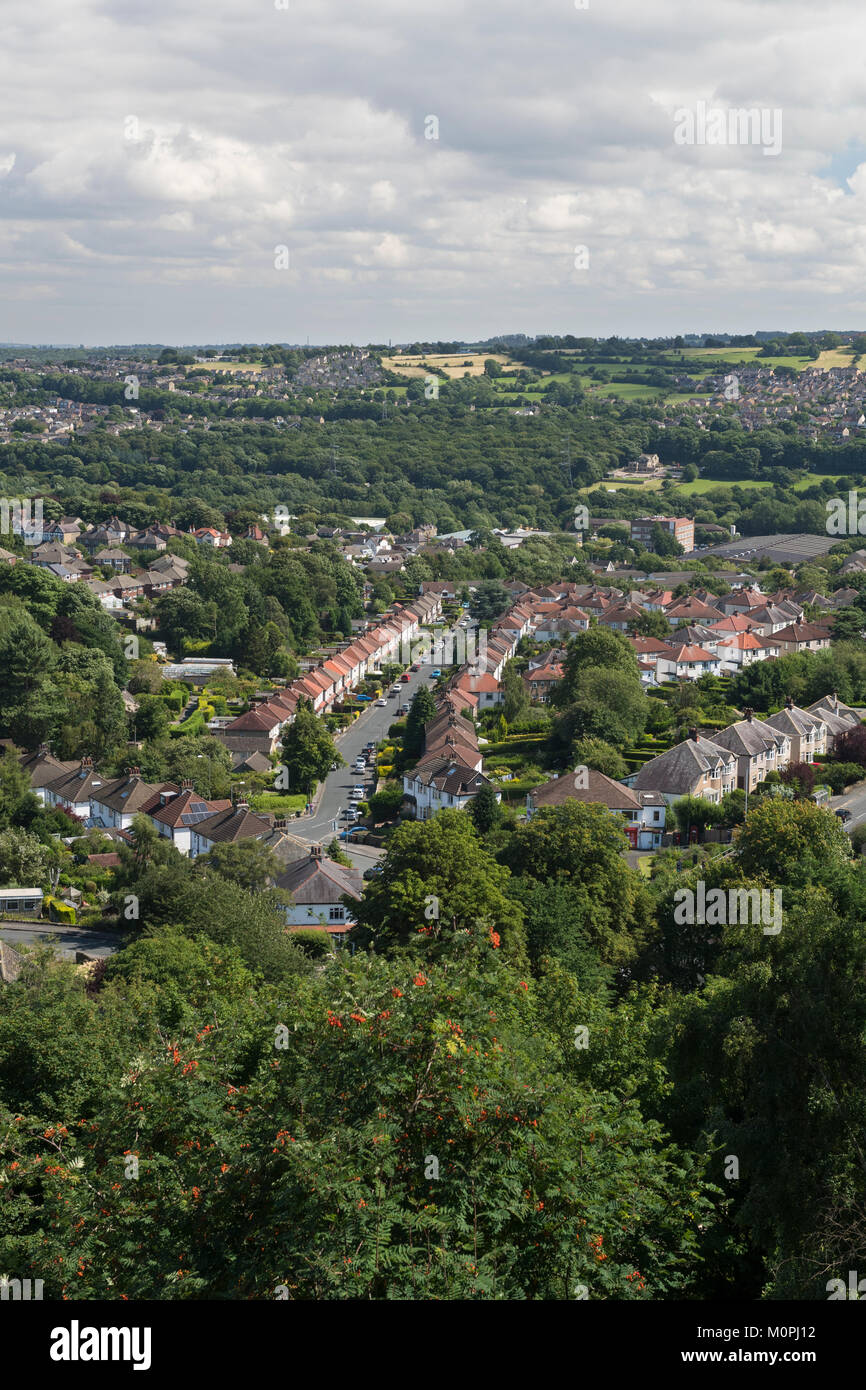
x=384 y=703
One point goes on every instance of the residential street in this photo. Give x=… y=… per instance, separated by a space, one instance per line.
x=372 y=725
x=853 y=800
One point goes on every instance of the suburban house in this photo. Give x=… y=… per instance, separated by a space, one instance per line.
x=177 y=813
x=686 y=663
x=644 y=812
x=43 y=769
x=442 y=781
x=758 y=748
x=318 y=886
x=116 y=803
x=74 y=791
x=806 y=732
x=802 y=637
x=235 y=823
x=838 y=718
x=697 y=767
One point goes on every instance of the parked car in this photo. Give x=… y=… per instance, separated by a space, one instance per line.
x=372 y=872
x=843 y=815
x=404 y=709
x=416 y=666
x=434 y=673
x=405 y=676
x=382 y=702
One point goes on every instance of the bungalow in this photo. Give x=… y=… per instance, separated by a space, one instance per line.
x=73 y=791
x=802 y=637
x=318 y=888
x=644 y=812
x=235 y=823
x=20 y=902
x=43 y=768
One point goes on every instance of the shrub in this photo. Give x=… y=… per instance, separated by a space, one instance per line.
x=314 y=942
x=60 y=912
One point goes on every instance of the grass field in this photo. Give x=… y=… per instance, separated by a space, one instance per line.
x=701 y=485
x=453 y=363
x=235 y=366
x=835 y=357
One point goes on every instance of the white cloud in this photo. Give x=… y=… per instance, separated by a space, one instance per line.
x=257 y=126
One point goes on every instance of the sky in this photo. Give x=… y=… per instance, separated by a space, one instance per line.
x=209 y=171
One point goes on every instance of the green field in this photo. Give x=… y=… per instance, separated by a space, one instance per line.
x=282 y=804
x=701 y=485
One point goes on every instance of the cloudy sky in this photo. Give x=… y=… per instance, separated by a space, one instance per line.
x=262 y=170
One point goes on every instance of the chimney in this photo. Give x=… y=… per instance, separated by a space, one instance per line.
x=186 y=784
x=693 y=735
x=748 y=712
x=789 y=702
x=835 y=702
x=316 y=852
x=280 y=822
x=87 y=762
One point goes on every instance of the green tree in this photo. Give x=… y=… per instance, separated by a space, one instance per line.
x=308 y=749
x=437 y=879
x=516 y=700
x=421 y=711
x=582 y=844
x=24 y=859
x=485 y=809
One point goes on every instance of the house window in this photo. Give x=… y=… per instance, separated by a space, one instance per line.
x=336 y=914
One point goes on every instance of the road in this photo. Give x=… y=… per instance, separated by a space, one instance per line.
x=373 y=725
x=68 y=939
x=853 y=800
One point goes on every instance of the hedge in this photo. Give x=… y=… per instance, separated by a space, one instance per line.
x=60 y=912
